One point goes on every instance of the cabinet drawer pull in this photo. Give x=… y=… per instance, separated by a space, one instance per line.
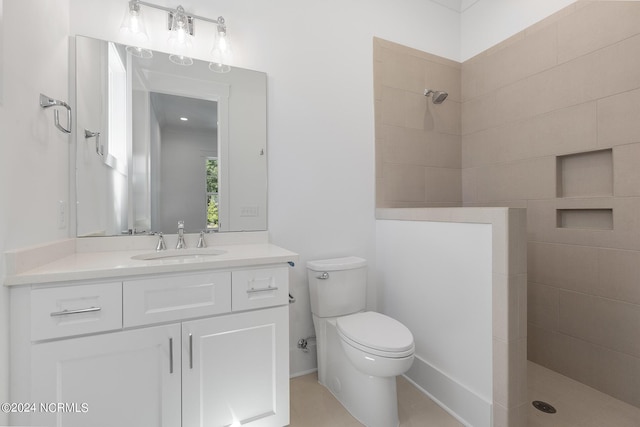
x=190 y=351
x=253 y=291
x=79 y=311
x=171 y=355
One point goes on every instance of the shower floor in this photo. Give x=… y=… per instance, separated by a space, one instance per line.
x=577 y=405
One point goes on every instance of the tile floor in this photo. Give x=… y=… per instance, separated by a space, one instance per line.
x=577 y=405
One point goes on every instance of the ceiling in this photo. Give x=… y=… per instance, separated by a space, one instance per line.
x=457 y=5
x=202 y=115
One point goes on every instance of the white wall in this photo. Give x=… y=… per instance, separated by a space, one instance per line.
x=34 y=167
x=436 y=278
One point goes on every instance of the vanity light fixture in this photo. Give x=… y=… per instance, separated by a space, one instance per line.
x=182 y=29
x=133 y=26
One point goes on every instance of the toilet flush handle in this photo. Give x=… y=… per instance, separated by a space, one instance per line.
x=323 y=276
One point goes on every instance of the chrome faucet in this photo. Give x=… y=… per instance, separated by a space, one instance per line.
x=161 y=246
x=181 y=244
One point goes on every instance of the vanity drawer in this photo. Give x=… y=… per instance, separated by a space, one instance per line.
x=260 y=287
x=166 y=299
x=73 y=310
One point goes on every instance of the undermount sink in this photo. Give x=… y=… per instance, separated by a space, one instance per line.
x=179 y=254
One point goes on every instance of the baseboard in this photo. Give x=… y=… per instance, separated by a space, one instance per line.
x=463 y=404
x=301 y=362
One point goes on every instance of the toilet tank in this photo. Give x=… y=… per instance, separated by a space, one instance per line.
x=337 y=286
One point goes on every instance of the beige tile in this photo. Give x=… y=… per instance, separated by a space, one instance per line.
x=392 y=103
x=543 y=306
x=312 y=405
x=517 y=241
x=626 y=174
x=415 y=109
x=542 y=346
x=618 y=119
x=563 y=266
x=479 y=114
x=618 y=375
x=442 y=185
x=616 y=325
x=403 y=183
x=600 y=24
x=618 y=273
x=524 y=57
x=577 y=315
x=576 y=359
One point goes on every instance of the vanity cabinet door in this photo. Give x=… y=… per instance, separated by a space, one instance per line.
x=122 y=379
x=235 y=368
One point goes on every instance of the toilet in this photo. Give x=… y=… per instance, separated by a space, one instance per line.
x=360 y=352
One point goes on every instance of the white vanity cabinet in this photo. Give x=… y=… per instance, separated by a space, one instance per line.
x=204 y=349
x=124 y=379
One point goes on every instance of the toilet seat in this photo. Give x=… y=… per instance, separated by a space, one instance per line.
x=376 y=334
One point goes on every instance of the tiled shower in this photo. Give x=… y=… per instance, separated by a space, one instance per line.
x=547 y=120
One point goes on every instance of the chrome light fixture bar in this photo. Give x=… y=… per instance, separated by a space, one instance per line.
x=181 y=25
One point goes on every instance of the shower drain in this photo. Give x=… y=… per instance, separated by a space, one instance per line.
x=544 y=407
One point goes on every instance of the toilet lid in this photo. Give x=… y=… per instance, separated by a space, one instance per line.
x=377 y=333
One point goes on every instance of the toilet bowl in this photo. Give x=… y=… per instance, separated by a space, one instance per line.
x=376 y=344
x=360 y=353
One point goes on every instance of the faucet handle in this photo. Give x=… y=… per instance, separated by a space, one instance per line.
x=201 y=242
x=161 y=246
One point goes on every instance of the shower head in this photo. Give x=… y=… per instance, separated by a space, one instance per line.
x=437 y=96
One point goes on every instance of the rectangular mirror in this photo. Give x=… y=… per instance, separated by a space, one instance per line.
x=159 y=143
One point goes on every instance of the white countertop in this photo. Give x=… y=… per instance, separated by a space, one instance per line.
x=94 y=265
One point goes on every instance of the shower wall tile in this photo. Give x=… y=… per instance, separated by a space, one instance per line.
x=563 y=266
x=526 y=179
x=401 y=70
x=508 y=65
x=617 y=374
x=564 y=131
x=618 y=275
x=418 y=144
x=617 y=325
x=442 y=185
x=391 y=106
x=595 y=26
x=543 y=306
x=626 y=174
x=577 y=315
x=403 y=183
x=417 y=147
x=618 y=119
x=479 y=113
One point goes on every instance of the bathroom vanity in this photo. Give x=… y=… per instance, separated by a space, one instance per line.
x=107 y=338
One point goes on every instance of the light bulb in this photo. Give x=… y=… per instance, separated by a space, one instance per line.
x=180 y=34
x=221 y=53
x=133 y=23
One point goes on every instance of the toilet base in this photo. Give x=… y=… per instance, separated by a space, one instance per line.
x=373 y=401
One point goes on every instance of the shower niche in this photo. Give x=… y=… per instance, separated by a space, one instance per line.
x=585 y=184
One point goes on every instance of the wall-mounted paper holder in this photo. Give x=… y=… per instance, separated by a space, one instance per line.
x=47 y=101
